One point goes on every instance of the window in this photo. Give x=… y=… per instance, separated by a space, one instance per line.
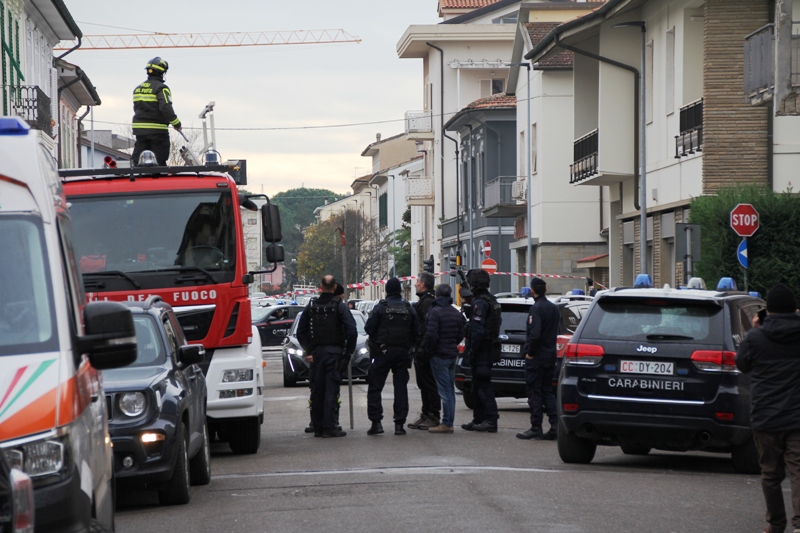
x=383 y=211
x=509 y=18
x=252 y=221
x=669 y=93
x=492 y=86
x=648 y=97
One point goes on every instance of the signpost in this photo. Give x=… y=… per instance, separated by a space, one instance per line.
x=744 y=221
x=489 y=265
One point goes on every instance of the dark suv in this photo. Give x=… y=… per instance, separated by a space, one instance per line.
x=508 y=374
x=157 y=409
x=654 y=368
x=273 y=323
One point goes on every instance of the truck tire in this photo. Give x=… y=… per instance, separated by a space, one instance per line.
x=745 y=458
x=245 y=436
x=200 y=464
x=573 y=449
x=177 y=490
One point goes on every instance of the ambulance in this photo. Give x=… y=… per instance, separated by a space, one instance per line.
x=53 y=414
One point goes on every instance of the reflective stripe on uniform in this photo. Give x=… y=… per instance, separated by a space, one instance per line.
x=145 y=98
x=167 y=94
x=175 y=122
x=150 y=126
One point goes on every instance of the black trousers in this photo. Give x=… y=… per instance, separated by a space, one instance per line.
x=158 y=144
x=539 y=386
x=431 y=402
x=777 y=453
x=482 y=393
x=325 y=380
x=396 y=360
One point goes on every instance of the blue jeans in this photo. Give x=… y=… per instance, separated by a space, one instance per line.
x=444 y=371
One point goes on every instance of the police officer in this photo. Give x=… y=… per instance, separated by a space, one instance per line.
x=153 y=113
x=540 y=362
x=483 y=349
x=327 y=332
x=431 y=402
x=392 y=330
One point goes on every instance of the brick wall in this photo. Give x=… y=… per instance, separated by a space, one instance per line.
x=734 y=133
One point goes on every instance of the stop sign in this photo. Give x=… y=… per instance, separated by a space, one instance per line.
x=744 y=220
x=489 y=265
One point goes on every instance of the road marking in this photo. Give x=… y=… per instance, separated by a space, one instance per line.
x=286 y=398
x=408 y=470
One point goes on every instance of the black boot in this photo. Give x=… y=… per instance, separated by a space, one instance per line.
x=310 y=427
x=376 y=429
x=532 y=433
x=469 y=426
x=486 y=426
x=328 y=433
x=552 y=434
x=398 y=428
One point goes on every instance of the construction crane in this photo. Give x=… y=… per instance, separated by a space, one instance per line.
x=207 y=40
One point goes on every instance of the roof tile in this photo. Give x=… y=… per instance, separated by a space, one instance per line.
x=464 y=4
x=498 y=100
x=538 y=31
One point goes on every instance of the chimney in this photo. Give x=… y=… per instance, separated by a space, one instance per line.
x=377 y=137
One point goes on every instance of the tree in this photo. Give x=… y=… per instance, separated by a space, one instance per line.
x=176 y=142
x=401 y=247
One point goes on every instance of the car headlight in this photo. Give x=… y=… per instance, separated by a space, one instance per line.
x=295 y=351
x=41 y=458
x=363 y=351
x=240 y=374
x=132 y=403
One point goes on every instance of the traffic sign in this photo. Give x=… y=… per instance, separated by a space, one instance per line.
x=744 y=220
x=741 y=253
x=487 y=248
x=489 y=265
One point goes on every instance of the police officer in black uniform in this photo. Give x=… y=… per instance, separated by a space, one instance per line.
x=483 y=349
x=540 y=362
x=327 y=332
x=153 y=113
x=429 y=392
x=392 y=330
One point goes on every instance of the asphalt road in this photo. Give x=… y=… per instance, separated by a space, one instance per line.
x=462 y=482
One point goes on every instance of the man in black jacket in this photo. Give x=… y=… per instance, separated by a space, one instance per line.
x=540 y=362
x=392 y=330
x=153 y=113
x=771 y=355
x=327 y=333
x=444 y=331
x=431 y=403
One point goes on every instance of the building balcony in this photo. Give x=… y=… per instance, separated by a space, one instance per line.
x=419 y=125
x=759 y=64
x=420 y=191
x=585 y=152
x=29 y=103
x=499 y=201
x=690 y=139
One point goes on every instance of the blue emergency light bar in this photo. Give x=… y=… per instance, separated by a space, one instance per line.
x=13 y=126
x=726 y=284
x=643 y=281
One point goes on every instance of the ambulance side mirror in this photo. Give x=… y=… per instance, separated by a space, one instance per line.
x=110 y=339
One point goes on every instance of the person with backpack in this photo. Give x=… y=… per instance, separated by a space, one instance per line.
x=392 y=330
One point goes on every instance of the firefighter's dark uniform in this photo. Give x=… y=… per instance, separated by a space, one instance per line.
x=152 y=116
x=483 y=349
x=327 y=330
x=392 y=328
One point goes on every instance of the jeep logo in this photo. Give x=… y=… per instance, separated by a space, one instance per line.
x=648 y=349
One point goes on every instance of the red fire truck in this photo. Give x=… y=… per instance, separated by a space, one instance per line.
x=176 y=232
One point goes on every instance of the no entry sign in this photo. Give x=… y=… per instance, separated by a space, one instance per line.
x=744 y=220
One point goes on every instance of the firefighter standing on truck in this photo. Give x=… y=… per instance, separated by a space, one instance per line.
x=153 y=113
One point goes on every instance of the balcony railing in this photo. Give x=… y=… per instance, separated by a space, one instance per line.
x=690 y=139
x=419 y=122
x=419 y=190
x=584 y=158
x=29 y=103
x=499 y=198
x=759 y=77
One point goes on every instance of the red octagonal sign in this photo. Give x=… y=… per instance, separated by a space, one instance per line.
x=744 y=220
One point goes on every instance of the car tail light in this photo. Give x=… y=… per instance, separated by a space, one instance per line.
x=22 y=494
x=715 y=360
x=583 y=354
x=461 y=346
x=725 y=417
x=570 y=407
x=561 y=344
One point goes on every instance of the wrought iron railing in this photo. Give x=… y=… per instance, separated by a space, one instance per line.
x=759 y=66
x=498 y=192
x=690 y=139
x=584 y=158
x=29 y=103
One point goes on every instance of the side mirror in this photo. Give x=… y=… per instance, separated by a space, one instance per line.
x=273 y=254
x=271 y=223
x=110 y=339
x=191 y=354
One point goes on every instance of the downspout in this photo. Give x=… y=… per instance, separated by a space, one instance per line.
x=441 y=117
x=636 y=78
x=80 y=121
x=68 y=51
x=458 y=211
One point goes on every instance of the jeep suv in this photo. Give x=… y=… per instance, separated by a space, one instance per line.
x=157 y=408
x=654 y=368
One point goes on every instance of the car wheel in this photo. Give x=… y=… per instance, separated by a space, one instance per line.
x=468 y=399
x=635 y=450
x=200 y=464
x=573 y=449
x=246 y=436
x=745 y=458
x=177 y=490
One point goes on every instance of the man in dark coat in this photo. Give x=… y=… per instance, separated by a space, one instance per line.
x=327 y=333
x=392 y=330
x=429 y=393
x=444 y=331
x=540 y=362
x=771 y=355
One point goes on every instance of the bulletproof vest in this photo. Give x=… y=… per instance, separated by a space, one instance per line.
x=325 y=324
x=493 y=323
x=394 y=327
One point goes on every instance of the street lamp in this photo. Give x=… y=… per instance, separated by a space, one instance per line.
x=529 y=258
x=642 y=146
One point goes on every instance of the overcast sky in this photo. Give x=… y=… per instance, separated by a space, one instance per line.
x=279 y=86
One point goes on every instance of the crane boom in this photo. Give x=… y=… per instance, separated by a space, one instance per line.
x=208 y=40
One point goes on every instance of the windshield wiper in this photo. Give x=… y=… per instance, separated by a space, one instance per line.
x=667 y=337
x=115 y=273
x=203 y=271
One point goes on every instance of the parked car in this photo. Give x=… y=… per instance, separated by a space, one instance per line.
x=157 y=409
x=273 y=323
x=508 y=374
x=17 y=511
x=365 y=306
x=655 y=368
x=295 y=368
